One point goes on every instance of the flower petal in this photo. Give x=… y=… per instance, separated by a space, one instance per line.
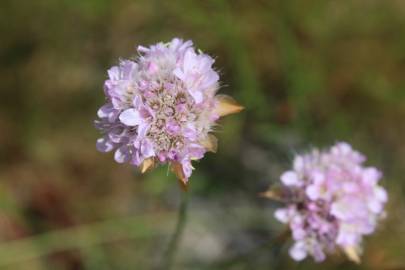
x=290 y=178
x=104 y=145
x=298 y=251
x=114 y=73
x=197 y=95
x=147 y=148
x=179 y=74
x=122 y=154
x=130 y=117
x=313 y=192
x=105 y=110
x=281 y=215
x=381 y=194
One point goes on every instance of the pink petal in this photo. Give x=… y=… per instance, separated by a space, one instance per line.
x=147 y=148
x=130 y=117
x=298 y=251
x=290 y=178
x=281 y=215
x=122 y=154
x=187 y=168
x=179 y=74
x=104 y=145
x=114 y=73
x=197 y=95
x=105 y=110
x=381 y=194
x=313 y=192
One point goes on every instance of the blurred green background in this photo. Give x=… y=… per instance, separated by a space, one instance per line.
x=310 y=73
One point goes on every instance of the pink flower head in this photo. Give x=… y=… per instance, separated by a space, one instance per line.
x=161 y=107
x=332 y=200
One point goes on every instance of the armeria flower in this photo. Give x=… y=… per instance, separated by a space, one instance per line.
x=332 y=201
x=162 y=107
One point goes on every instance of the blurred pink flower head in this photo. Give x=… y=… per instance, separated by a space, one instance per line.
x=332 y=200
x=161 y=108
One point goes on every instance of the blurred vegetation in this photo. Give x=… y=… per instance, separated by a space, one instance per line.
x=309 y=73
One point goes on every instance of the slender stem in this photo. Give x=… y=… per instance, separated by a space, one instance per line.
x=176 y=237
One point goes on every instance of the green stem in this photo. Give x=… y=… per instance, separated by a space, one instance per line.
x=176 y=237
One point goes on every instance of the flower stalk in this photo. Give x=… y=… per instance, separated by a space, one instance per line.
x=175 y=239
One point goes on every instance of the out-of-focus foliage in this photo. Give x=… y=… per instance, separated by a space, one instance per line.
x=309 y=73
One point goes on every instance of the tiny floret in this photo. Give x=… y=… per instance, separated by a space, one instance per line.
x=162 y=107
x=331 y=201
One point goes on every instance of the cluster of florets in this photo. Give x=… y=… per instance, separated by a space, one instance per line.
x=332 y=200
x=161 y=107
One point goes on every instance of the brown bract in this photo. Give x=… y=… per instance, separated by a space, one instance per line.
x=210 y=143
x=147 y=164
x=352 y=253
x=177 y=168
x=275 y=193
x=226 y=105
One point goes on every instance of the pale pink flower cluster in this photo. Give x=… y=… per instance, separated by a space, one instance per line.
x=332 y=200
x=161 y=107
